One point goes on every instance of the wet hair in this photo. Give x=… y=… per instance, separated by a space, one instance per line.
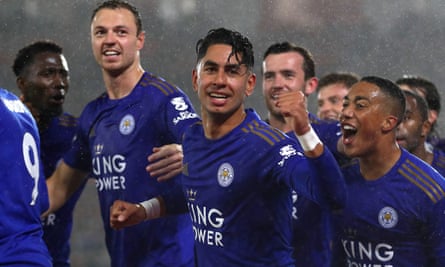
x=421 y=105
x=345 y=78
x=241 y=45
x=393 y=91
x=285 y=47
x=428 y=88
x=26 y=55
x=115 y=4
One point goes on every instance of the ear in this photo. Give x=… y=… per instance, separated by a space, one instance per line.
x=426 y=128
x=20 y=84
x=251 y=81
x=141 y=40
x=389 y=124
x=432 y=116
x=195 y=80
x=310 y=86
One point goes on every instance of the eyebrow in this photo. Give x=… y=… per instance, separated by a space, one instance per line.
x=213 y=63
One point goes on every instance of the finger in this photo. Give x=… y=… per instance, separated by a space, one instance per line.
x=163 y=152
x=174 y=167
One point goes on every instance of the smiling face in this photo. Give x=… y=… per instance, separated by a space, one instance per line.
x=44 y=83
x=365 y=118
x=221 y=82
x=282 y=72
x=115 y=40
x=330 y=101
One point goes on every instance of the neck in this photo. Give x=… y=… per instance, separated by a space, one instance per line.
x=279 y=123
x=378 y=163
x=421 y=152
x=121 y=84
x=218 y=125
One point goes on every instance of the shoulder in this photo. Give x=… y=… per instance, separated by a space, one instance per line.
x=160 y=85
x=67 y=120
x=422 y=176
x=439 y=161
x=261 y=132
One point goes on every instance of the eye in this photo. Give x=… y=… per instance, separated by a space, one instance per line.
x=99 y=33
x=269 y=76
x=288 y=75
x=121 y=32
x=233 y=70
x=210 y=69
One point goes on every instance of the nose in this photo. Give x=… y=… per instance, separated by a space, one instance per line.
x=109 y=37
x=220 y=77
x=278 y=82
x=61 y=81
x=346 y=113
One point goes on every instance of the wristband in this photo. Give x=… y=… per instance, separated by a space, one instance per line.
x=309 y=140
x=152 y=208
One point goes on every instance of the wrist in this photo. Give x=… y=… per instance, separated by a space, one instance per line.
x=309 y=140
x=152 y=208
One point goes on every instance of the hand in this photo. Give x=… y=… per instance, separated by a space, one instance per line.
x=165 y=162
x=294 y=109
x=123 y=214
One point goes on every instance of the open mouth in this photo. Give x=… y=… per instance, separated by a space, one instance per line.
x=348 y=133
x=58 y=99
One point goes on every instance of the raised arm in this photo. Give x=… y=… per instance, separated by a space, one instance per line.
x=329 y=183
x=294 y=109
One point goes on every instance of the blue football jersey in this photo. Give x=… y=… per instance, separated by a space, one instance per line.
x=439 y=161
x=397 y=220
x=238 y=192
x=308 y=217
x=55 y=142
x=114 y=140
x=23 y=194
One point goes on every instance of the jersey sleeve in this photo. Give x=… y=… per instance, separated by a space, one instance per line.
x=79 y=156
x=435 y=233
x=180 y=114
x=319 y=179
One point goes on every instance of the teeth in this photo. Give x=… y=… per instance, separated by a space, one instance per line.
x=110 y=53
x=348 y=127
x=217 y=95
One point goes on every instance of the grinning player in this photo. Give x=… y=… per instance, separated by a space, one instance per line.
x=238 y=170
x=139 y=113
x=288 y=67
x=43 y=79
x=394 y=215
x=23 y=195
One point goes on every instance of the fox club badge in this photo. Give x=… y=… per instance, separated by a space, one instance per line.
x=126 y=126
x=388 y=217
x=225 y=174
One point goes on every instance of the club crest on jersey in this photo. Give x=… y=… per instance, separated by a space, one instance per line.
x=225 y=174
x=126 y=126
x=388 y=217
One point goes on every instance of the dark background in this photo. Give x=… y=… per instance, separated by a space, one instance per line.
x=368 y=37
